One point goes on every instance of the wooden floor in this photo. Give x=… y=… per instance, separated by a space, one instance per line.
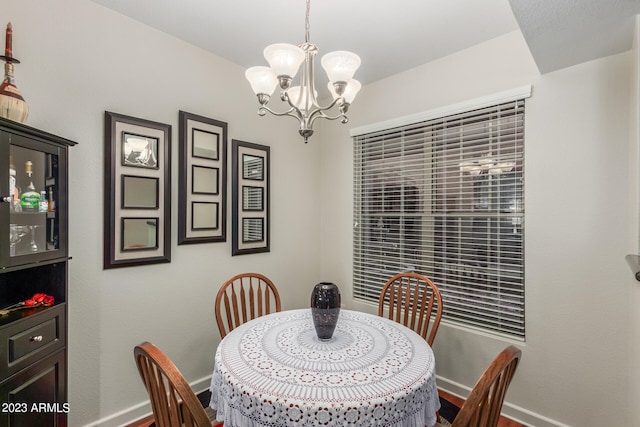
x=145 y=422
x=504 y=422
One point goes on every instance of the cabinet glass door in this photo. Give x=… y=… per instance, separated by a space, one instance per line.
x=34 y=224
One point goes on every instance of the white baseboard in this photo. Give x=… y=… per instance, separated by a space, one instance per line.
x=516 y=413
x=142 y=409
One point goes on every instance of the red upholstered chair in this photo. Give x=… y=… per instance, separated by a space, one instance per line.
x=173 y=401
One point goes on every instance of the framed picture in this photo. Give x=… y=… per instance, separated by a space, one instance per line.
x=137 y=192
x=203 y=180
x=250 y=198
x=206 y=144
x=252 y=230
x=204 y=215
x=139 y=151
x=252 y=167
x=139 y=234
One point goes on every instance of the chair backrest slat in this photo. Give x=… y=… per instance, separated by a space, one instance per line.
x=266 y=298
x=255 y=294
x=243 y=305
x=258 y=296
x=407 y=301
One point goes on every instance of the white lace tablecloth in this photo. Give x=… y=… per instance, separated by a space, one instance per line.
x=274 y=372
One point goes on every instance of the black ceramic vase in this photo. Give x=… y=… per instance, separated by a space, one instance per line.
x=325 y=309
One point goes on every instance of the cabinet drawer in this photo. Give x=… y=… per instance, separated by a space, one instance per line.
x=33 y=339
x=26 y=341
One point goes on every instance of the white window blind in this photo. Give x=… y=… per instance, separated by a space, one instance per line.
x=445 y=198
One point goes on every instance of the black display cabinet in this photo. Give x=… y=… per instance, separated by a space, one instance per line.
x=33 y=260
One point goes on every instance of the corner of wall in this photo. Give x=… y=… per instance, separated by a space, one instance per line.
x=634 y=224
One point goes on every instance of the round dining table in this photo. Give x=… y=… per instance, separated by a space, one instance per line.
x=273 y=371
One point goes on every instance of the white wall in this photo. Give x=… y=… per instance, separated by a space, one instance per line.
x=634 y=222
x=80 y=59
x=576 y=361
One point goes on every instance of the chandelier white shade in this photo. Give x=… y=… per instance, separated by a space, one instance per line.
x=263 y=79
x=284 y=59
x=350 y=91
x=301 y=100
x=340 y=65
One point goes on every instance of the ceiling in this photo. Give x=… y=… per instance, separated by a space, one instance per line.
x=393 y=36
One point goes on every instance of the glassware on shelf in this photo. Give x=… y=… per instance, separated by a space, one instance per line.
x=51 y=207
x=12 y=182
x=16 y=233
x=30 y=199
x=33 y=246
x=44 y=203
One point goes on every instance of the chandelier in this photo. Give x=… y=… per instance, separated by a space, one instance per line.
x=285 y=60
x=486 y=165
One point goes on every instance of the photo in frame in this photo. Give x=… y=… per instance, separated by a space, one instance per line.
x=137 y=191
x=252 y=230
x=139 y=234
x=202 y=179
x=250 y=198
x=204 y=215
x=139 y=151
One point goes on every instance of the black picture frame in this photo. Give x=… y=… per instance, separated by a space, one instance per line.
x=250 y=168
x=252 y=198
x=139 y=151
x=139 y=192
x=203 y=155
x=204 y=216
x=205 y=180
x=121 y=211
x=252 y=230
x=138 y=234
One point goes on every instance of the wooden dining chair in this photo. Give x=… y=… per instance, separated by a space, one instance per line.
x=482 y=407
x=414 y=301
x=173 y=402
x=245 y=297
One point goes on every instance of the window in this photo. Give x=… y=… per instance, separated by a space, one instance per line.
x=445 y=198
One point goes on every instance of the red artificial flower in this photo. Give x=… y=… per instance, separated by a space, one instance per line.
x=35 y=301
x=39 y=299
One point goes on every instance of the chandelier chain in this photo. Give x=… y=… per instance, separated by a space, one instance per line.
x=306 y=22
